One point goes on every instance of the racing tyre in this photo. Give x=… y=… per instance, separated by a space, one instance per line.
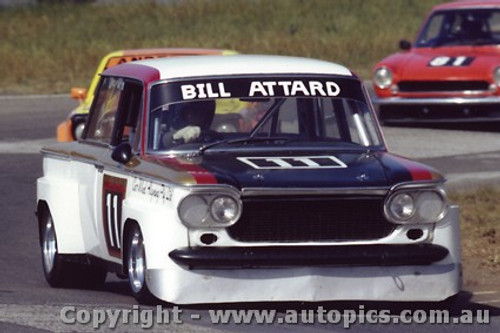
x=59 y=271
x=136 y=267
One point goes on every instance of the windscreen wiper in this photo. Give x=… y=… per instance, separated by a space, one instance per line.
x=244 y=140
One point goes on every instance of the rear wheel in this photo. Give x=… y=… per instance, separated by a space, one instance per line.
x=136 y=266
x=59 y=271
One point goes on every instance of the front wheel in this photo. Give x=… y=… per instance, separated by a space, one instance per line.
x=136 y=267
x=60 y=272
x=52 y=265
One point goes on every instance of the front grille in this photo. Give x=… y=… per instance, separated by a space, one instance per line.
x=437 y=86
x=300 y=219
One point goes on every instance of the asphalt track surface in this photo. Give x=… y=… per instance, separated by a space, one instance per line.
x=467 y=156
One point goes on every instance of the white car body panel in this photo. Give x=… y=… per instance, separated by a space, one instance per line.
x=232 y=65
x=161 y=226
x=94 y=199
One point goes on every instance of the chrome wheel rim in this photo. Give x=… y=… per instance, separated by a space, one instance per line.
x=49 y=246
x=136 y=262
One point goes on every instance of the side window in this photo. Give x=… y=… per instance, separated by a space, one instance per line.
x=115 y=112
x=104 y=111
x=126 y=127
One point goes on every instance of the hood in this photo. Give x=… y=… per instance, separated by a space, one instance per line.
x=301 y=170
x=441 y=63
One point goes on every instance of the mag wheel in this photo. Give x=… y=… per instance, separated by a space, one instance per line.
x=136 y=267
x=58 y=270
x=50 y=258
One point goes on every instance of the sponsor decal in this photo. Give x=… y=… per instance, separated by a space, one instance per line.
x=263 y=89
x=252 y=87
x=297 y=162
x=156 y=193
x=124 y=59
x=113 y=194
x=204 y=90
x=443 y=61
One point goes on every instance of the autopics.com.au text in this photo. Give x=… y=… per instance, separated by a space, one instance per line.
x=151 y=317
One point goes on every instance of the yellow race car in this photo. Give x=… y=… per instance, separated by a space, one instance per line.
x=72 y=127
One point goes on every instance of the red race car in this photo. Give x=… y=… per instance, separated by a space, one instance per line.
x=451 y=73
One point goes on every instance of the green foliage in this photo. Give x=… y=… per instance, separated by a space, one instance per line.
x=51 y=47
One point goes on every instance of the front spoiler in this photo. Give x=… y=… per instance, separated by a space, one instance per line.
x=288 y=256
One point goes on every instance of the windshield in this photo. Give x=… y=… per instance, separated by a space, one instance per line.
x=461 y=27
x=260 y=114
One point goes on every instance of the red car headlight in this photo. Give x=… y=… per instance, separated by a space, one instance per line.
x=383 y=77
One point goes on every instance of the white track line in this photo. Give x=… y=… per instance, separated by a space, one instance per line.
x=486 y=292
x=24 y=147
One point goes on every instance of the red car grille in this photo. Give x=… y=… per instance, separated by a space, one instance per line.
x=437 y=86
x=311 y=219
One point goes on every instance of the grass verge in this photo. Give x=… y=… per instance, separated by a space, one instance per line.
x=480 y=233
x=51 y=47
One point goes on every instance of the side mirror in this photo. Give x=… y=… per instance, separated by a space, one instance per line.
x=78 y=93
x=122 y=153
x=404 y=45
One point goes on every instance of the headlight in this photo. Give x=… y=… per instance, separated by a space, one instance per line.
x=193 y=210
x=496 y=75
x=416 y=206
x=209 y=210
x=383 y=77
x=224 y=209
x=432 y=205
x=401 y=206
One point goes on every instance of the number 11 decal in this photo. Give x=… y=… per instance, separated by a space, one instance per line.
x=113 y=193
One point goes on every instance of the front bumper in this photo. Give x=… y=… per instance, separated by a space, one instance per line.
x=434 y=283
x=438 y=109
x=288 y=256
x=409 y=281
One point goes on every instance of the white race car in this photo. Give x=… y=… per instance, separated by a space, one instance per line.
x=297 y=200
